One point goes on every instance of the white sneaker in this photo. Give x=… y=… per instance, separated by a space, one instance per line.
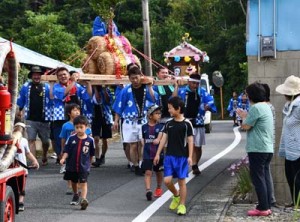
x=53 y=156
x=62 y=168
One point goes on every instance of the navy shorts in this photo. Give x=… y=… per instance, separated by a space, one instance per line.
x=76 y=177
x=147 y=164
x=177 y=167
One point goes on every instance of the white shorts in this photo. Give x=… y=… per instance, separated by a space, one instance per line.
x=131 y=132
x=199 y=136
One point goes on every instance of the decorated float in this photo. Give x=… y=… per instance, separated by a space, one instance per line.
x=186 y=59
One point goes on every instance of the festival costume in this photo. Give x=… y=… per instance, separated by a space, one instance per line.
x=205 y=99
x=232 y=106
x=23 y=100
x=165 y=93
x=126 y=107
x=60 y=98
x=105 y=106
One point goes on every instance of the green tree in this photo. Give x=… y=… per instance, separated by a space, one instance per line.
x=46 y=36
x=11 y=15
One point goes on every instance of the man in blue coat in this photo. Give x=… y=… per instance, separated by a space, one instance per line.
x=131 y=105
x=34 y=102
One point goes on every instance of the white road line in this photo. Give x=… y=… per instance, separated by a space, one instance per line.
x=152 y=208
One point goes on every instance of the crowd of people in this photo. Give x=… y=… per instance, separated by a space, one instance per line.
x=162 y=130
x=68 y=113
x=259 y=122
x=237 y=102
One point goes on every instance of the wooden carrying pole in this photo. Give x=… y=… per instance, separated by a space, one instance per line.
x=96 y=79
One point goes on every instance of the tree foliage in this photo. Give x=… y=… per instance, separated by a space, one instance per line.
x=45 y=35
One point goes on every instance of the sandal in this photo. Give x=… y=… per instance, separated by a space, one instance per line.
x=44 y=162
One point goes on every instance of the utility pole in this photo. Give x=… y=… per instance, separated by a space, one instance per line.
x=147 y=39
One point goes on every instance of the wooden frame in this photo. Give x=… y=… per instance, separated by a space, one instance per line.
x=97 y=79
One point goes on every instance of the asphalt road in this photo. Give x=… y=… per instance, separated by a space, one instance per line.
x=116 y=194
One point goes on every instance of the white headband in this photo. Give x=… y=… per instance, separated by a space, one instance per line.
x=193 y=80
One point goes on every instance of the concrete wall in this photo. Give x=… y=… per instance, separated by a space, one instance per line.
x=274 y=72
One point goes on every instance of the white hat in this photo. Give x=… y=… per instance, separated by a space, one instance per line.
x=290 y=87
x=20 y=124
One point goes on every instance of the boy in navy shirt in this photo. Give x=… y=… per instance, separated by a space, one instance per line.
x=152 y=135
x=78 y=152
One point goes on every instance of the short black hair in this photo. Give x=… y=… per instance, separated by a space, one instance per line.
x=195 y=76
x=131 y=65
x=267 y=89
x=61 y=69
x=80 y=120
x=161 y=68
x=70 y=106
x=177 y=103
x=256 y=92
x=72 y=72
x=134 y=70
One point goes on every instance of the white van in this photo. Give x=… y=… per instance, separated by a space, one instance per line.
x=205 y=85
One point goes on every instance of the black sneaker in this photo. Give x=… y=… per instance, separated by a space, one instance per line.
x=84 y=203
x=21 y=207
x=149 y=195
x=75 y=200
x=96 y=163
x=196 y=170
x=132 y=169
x=102 y=160
x=138 y=171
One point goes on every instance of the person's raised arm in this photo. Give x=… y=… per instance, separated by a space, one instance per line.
x=151 y=91
x=243 y=115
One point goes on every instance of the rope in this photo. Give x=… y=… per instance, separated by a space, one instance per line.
x=75 y=54
x=89 y=58
x=156 y=64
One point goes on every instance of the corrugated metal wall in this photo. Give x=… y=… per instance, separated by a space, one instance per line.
x=287 y=20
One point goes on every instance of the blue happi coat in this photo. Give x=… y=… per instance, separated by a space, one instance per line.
x=126 y=107
x=59 y=97
x=106 y=106
x=205 y=98
x=23 y=100
x=232 y=106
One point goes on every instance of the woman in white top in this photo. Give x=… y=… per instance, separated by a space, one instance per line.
x=289 y=146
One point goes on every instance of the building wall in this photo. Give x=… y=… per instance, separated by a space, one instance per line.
x=274 y=72
x=286 y=23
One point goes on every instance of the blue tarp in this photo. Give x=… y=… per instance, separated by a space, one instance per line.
x=27 y=56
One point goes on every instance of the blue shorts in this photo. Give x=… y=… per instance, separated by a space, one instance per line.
x=177 y=167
